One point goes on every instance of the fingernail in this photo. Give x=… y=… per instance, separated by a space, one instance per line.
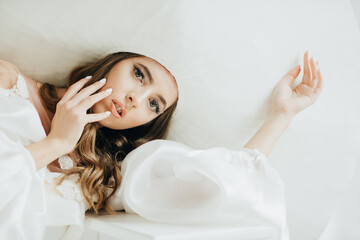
x=109 y=90
x=107 y=112
x=103 y=80
x=88 y=77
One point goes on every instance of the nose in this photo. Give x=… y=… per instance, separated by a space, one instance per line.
x=131 y=101
x=134 y=99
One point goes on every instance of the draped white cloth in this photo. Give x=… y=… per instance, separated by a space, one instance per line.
x=30 y=201
x=22 y=202
x=163 y=181
x=166 y=181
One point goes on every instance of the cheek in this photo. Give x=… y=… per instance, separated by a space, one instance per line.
x=140 y=117
x=97 y=107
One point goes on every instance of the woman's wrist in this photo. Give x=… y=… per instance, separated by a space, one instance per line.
x=281 y=117
x=269 y=133
x=56 y=145
x=45 y=151
x=60 y=147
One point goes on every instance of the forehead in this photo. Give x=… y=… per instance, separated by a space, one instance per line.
x=164 y=82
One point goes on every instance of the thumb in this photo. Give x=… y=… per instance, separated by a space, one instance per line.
x=292 y=74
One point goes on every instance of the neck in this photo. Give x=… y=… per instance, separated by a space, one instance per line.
x=60 y=91
x=34 y=92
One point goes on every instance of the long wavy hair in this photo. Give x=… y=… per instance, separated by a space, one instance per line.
x=100 y=151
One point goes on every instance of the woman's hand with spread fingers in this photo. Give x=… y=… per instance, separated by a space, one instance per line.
x=71 y=113
x=287 y=101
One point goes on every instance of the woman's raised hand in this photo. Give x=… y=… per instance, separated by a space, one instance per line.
x=71 y=113
x=286 y=103
x=290 y=101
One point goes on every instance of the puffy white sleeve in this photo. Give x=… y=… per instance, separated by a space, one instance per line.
x=166 y=181
x=22 y=201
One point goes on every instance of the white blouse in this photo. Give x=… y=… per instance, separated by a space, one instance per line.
x=162 y=181
x=166 y=181
x=30 y=200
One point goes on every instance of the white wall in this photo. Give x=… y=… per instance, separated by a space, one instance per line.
x=356 y=6
x=345 y=221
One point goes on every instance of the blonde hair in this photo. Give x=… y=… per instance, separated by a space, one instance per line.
x=100 y=151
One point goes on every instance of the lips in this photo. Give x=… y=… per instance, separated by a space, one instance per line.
x=114 y=110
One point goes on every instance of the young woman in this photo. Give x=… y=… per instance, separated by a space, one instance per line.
x=108 y=108
x=97 y=128
x=136 y=97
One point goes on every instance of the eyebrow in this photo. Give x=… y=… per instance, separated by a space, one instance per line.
x=148 y=75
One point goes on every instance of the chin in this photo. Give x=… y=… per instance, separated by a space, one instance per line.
x=108 y=124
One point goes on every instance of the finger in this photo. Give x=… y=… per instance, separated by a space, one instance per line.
x=313 y=83
x=292 y=74
x=307 y=73
x=320 y=77
x=320 y=83
x=305 y=89
x=91 y=100
x=315 y=80
x=95 y=117
x=73 y=89
x=85 y=92
x=313 y=68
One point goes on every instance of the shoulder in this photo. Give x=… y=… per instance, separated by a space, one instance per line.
x=8 y=74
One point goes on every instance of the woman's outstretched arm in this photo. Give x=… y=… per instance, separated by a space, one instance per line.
x=69 y=121
x=286 y=103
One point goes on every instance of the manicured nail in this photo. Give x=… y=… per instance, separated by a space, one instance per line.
x=107 y=112
x=88 y=77
x=109 y=90
x=103 y=80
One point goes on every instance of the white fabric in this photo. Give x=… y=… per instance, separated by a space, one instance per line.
x=166 y=181
x=162 y=181
x=30 y=201
x=226 y=56
x=65 y=208
x=22 y=202
x=19 y=89
x=344 y=222
x=65 y=162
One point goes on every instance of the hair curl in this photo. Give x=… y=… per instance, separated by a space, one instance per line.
x=100 y=151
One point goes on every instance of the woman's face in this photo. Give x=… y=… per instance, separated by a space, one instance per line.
x=142 y=89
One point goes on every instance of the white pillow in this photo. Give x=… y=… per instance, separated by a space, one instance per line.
x=226 y=56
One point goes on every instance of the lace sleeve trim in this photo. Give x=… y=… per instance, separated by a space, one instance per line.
x=65 y=162
x=20 y=89
x=69 y=188
x=254 y=159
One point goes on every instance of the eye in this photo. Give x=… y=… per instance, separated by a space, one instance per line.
x=155 y=106
x=138 y=74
